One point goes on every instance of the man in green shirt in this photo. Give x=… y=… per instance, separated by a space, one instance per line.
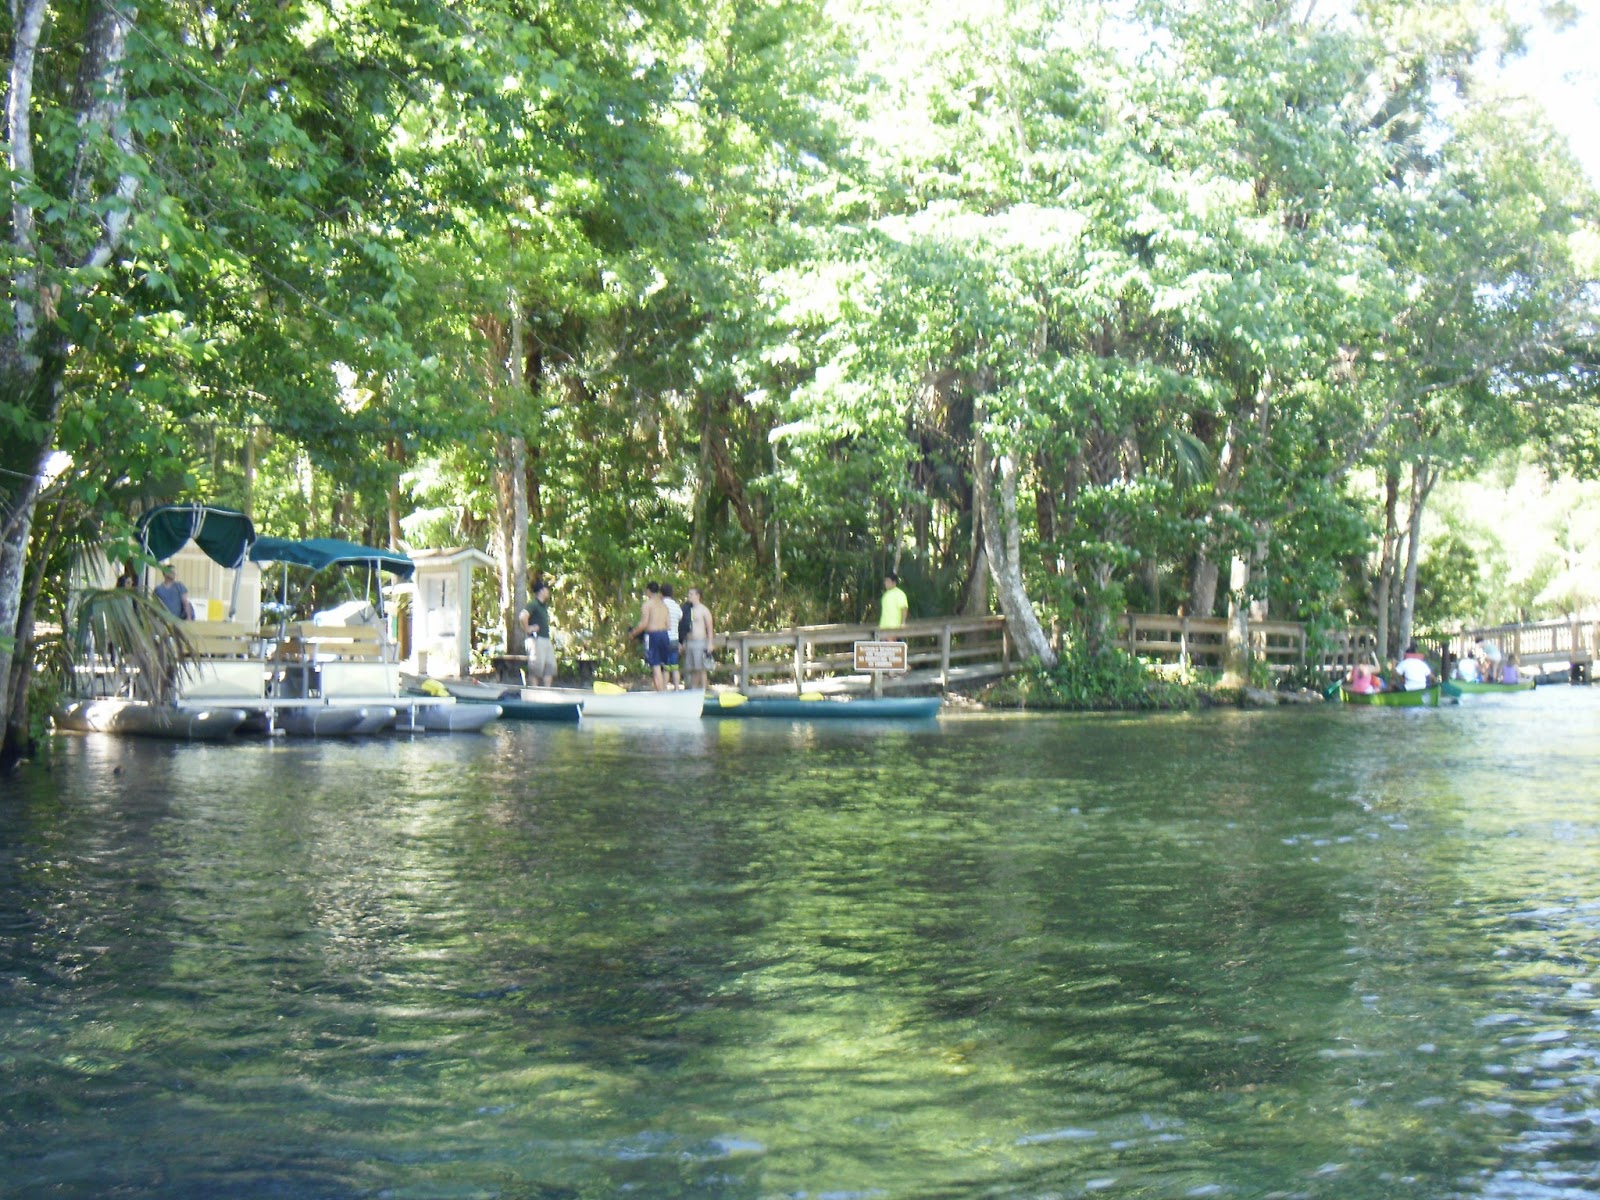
x=536 y=625
x=892 y=614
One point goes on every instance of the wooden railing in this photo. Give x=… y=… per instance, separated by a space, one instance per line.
x=1570 y=641
x=1203 y=641
x=938 y=653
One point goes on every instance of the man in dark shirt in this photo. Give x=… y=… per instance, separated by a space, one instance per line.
x=536 y=625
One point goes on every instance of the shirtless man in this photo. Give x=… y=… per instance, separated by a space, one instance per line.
x=653 y=624
x=698 y=644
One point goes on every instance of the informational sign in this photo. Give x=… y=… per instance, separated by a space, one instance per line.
x=888 y=657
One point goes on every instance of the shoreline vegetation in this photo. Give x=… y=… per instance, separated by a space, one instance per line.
x=1061 y=311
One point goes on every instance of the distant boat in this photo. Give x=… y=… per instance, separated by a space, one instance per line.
x=1427 y=697
x=1480 y=687
x=860 y=708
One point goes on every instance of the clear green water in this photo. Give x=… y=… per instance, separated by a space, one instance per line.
x=1331 y=953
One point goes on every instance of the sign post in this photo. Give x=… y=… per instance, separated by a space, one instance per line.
x=880 y=659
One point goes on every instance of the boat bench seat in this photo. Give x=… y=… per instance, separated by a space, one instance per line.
x=227 y=664
x=305 y=642
x=223 y=639
x=350 y=659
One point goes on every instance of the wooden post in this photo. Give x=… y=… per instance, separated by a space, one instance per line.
x=799 y=663
x=944 y=658
x=744 y=665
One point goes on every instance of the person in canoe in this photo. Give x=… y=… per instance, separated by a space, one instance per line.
x=1363 y=680
x=1493 y=659
x=1413 y=670
x=1508 y=670
x=1467 y=668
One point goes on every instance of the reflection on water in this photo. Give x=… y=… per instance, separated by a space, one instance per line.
x=1342 y=953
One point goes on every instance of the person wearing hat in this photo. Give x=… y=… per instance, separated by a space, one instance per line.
x=173 y=595
x=536 y=625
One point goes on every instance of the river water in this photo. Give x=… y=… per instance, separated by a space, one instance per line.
x=1310 y=953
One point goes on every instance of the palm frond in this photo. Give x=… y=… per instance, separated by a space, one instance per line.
x=148 y=646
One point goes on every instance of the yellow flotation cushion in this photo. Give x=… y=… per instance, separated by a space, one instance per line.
x=811 y=696
x=432 y=687
x=603 y=688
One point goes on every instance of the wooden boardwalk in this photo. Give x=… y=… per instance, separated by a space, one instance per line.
x=941 y=654
x=946 y=653
x=1568 y=642
x=1203 y=641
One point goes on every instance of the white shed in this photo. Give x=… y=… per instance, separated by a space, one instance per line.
x=441 y=610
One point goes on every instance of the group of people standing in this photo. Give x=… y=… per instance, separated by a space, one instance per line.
x=677 y=637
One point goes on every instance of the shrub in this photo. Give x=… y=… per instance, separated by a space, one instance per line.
x=1111 y=680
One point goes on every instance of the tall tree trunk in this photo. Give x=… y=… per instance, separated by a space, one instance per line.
x=1236 y=653
x=1423 y=477
x=700 y=531
x=728 y=479
x=975 y=602
x=397 y=456
x=1203 y=578
x=1383 y=598
x=996 y=489
x=511 y=488
x=34 y=350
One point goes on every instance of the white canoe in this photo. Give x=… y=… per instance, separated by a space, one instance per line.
x=149 y=720
x=650 y=706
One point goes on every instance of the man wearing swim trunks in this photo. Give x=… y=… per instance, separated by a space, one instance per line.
x=653 y=625
x=698 y=646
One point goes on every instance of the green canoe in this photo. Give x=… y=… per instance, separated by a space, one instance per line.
x=1477 y=687
x=859 y=708
x=1427 y=697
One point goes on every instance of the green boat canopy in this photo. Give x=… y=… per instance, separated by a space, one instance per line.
x=223 y=533
x=326 y=552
